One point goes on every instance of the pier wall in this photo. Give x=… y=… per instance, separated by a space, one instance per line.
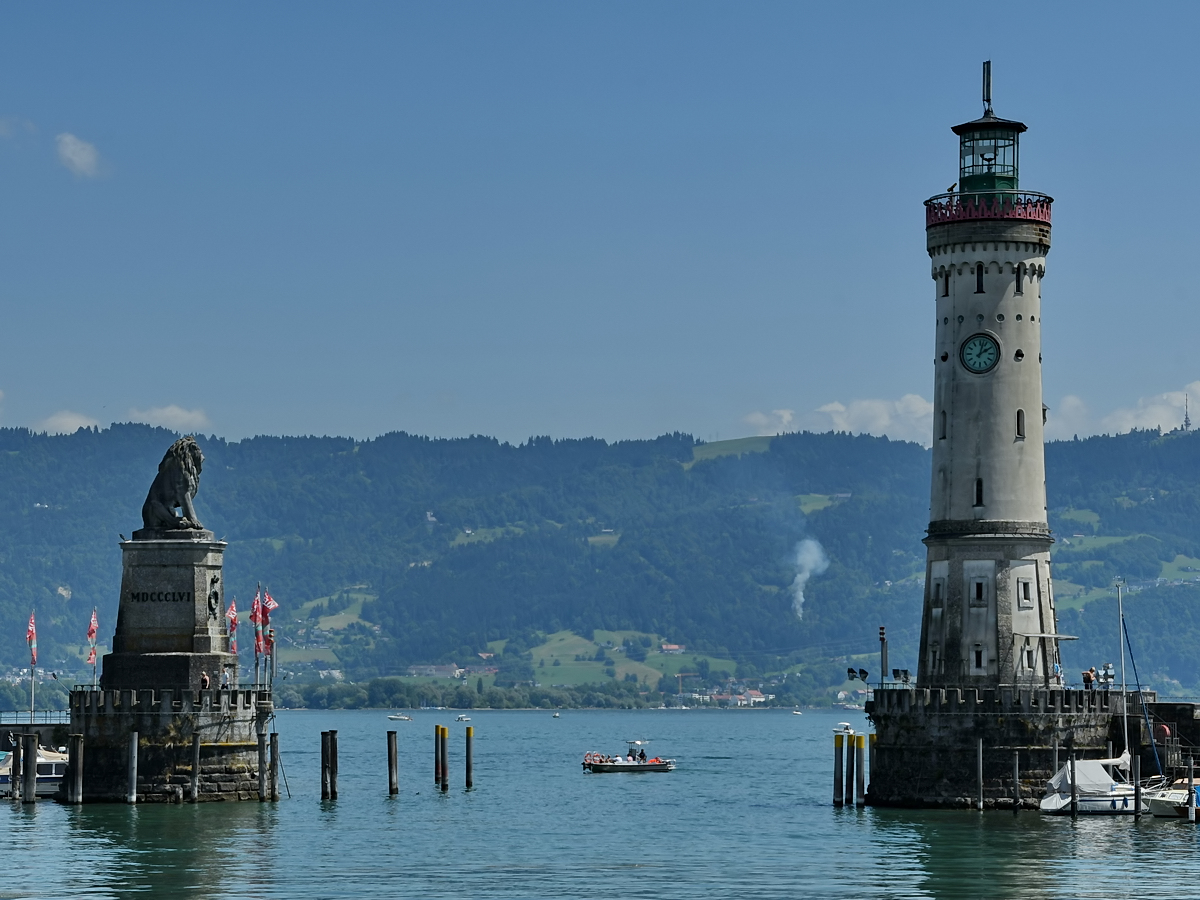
x=229 y=722
x=926 y=749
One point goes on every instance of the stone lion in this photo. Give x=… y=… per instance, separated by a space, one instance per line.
x=174 y=488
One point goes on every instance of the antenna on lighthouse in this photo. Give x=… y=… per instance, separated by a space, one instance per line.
x=987 y=87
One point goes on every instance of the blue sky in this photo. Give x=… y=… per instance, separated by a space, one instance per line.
x=613 y=219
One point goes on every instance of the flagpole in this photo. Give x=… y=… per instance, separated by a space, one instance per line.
x=32 y=682
x=257 y=629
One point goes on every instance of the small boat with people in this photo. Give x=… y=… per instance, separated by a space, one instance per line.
x=463 y=718
x=51 y=767
x=634 y=760
x=400 y=717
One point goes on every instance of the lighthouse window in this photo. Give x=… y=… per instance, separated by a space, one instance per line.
x=1020 y=424
x=978 y=592
x=946 y=285
x=979 y=279
x=1024 y=594
x=1029 y=657
x=1018 y=317
x=978 y=658
x=960 y=320
x=1021 y=279
x=1019 y=355
x=979 y=492
x=943 y=435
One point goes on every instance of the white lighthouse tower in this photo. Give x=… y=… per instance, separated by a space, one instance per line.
x=989 y=607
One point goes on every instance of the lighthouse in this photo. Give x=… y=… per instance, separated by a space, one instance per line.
x=988 y=618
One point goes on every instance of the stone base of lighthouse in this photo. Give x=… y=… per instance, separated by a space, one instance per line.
x=926 y=751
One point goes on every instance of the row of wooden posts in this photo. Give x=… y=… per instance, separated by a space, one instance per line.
x=849 y=763
x=441 y=761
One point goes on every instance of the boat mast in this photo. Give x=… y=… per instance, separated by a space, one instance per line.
x=1121 y=649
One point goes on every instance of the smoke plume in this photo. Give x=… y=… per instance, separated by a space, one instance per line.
x=810 y=560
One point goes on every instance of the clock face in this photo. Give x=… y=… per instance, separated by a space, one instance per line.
x=980 y=353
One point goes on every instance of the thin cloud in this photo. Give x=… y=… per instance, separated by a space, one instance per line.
x=1164 y=411
x=908 y=419
x=772 y=423
x=173 y=417
x=65 y=422
x=79 y=156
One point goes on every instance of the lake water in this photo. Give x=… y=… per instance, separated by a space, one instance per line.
x=746 y=814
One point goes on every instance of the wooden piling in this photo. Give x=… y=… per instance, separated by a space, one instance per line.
x=1191 y=790
x=324 y=765
x=29 y=774
x=195 y=786
x=131 y=794
x=979 y=773
x=333 y=764
x=437 y=754
x=470 y=763
x=393 y=765
x=75 y=750
x=871 y=759
x=1016 y=781
x=445 y=758
x=263 y=789
x=1074 y=785
x=273 y=781
x=849 y=796
x=17 y=769
x=1137 y=786
x=860 y=770
x=837 y=769
x=1055 y=762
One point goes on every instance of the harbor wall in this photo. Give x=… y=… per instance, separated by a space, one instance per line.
x=229 y=722
x=927 y=740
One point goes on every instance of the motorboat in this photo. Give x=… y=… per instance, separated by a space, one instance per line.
x=1100 y=789
x=400 y=717
x=1171 y=801
x=796 y=712
x=51 y=767
x=463 y=718
x=634 y=760
x=555 y=716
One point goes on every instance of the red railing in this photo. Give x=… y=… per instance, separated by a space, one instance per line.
x=1028 y=205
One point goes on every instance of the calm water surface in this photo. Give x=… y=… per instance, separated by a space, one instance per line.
x=747 y=813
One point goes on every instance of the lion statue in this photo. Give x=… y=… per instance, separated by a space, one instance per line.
x=174 y=488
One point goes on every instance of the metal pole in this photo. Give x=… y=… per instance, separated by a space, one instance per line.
x=32 y=682
x=29 y=788
x=273 y=783
x=333 y=765
x=1016 y=781
x=196 y=766
x=979 y=771
x=262 y=768
x=393 y=765
x=76 y=791
x=850 y=769
x=1056 y=756
x=1121 y=642
x=837 y=768
x=445 y=758
x=324 y=765
x=437 y=754
x=871 y=759
x=470 y=756
x=1137 y=787
x=1191 y=791
x=1074 y=785
x=860 y=774
x=131 y=795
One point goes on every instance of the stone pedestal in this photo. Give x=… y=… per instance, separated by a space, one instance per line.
x=171 y=621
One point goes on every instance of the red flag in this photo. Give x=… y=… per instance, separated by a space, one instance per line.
x=256 y=616
x=231 y=615
x=91 y=660
x=269 y=603
x=31 y=637
x=256 y=608
x=93 y=628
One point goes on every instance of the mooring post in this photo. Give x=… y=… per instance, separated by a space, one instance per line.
x=17 y=770
x=76 y=748
x=1191 y=791
x=445 y=758
x=860 y=770
x=1074 y=786
x=849 y=795
x=1137 y=786
x=333 y=765
x=131 y=795
x=1109 y=756
x=979 y=772
x=324 y=765
x=195 y=766
x=263 y=790
x=470 y=755
x=837 y=768
x=437 y=754
x=393 y=765
x=1055 y=763
x=871 y=758
x=274 y=781
x=29 y=787
x=1016 y=781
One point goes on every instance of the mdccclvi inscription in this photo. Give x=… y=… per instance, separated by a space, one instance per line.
x=161 y=596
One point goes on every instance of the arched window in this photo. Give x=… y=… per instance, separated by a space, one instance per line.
x=979 y=492
x=946 y=285
x=1020 y=423
x=979 y=279
x=943 y=435
x=1021 y=278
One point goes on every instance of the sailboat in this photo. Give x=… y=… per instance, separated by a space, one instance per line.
x=1099 y=786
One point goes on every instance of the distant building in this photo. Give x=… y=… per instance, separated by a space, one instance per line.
x=450 y=671
x=674 y=649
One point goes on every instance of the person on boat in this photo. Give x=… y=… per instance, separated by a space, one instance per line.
x=630 y=757
x=642 y=755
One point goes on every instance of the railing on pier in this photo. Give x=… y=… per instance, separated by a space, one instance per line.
x=1028 y=205
x=40 y=717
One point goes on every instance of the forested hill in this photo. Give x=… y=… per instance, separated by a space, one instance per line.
x=405 y=549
